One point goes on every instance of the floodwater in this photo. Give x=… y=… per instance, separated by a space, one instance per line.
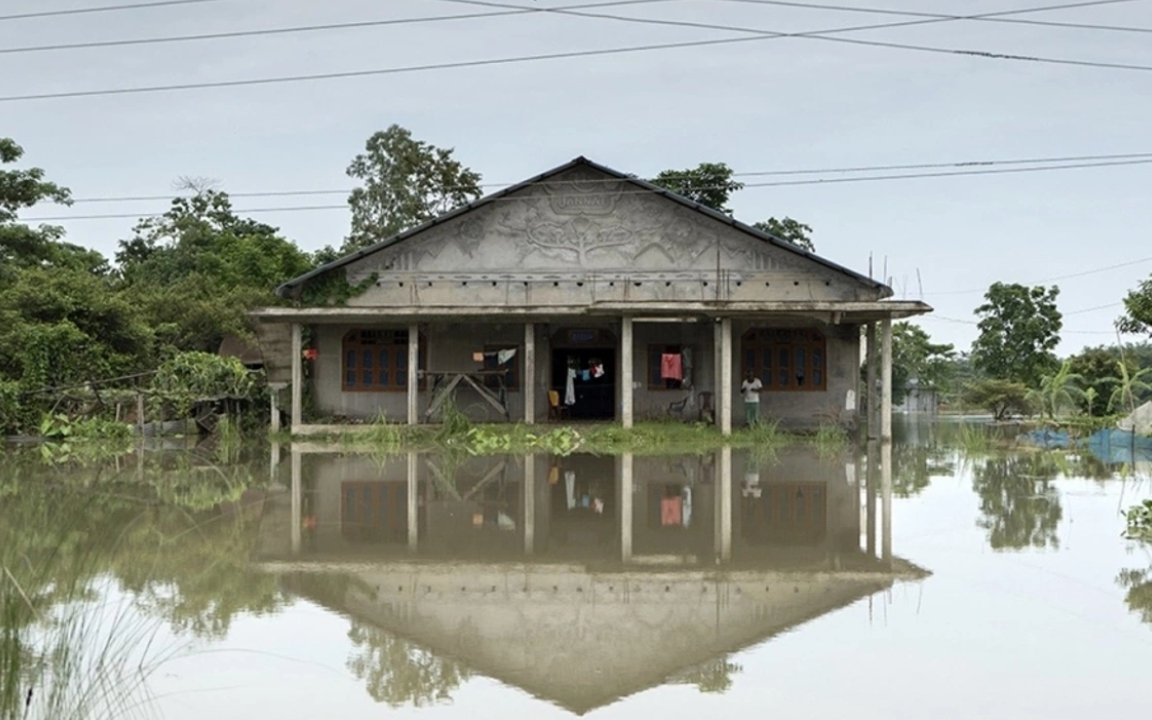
x=314 y=583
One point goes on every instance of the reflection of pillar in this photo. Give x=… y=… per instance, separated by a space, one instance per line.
x=723 y=487
x=626 y=368
x=626 y=507
x=872 y=461
x=872 y=396
x=297 y=376
x=886 y=380
x=529 y=383
x=413 y=491
x=529 y=504
x=886 y=490
x=413 y=373
x=297 y=499
x=274 y=462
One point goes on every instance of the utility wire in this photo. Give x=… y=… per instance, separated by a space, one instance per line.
x=309 y=28
x=962 y=321
x=825 y=35
x=911 y=13
x=601 y=181
x=106 y=8
x=1082 y=273
x=757 y=35
x=640 y=191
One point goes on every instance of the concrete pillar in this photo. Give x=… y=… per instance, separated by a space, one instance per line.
x=529 y=500
x=413 y=374
x=873 y=470
x=274 y=402
x=626 y=462
x=886 y=381
x=297 y=376
x=529 y=384
x=886 y=491
x=873 y=398
x=723 y=486
x=626 y=368
x=413 y=507
x=297 y=492
x=725 y=389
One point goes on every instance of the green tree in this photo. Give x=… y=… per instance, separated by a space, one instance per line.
x=1019 y=330
x=709 y=184
x=1138 y=307
x=405 y=182
x=197 y=270
x=1002 y=398
x=20 y=245
x=914 y=355
x=788 y=230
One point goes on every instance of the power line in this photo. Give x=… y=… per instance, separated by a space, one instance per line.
x=751 y=173
x=911 y=13
x=962 y=321
x=818 y=181
x=758 y=35
x=106 y=8
x=307 y=28
x=825 y=34
x=1083 y=273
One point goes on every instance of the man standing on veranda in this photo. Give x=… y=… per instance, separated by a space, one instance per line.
x=751 y=389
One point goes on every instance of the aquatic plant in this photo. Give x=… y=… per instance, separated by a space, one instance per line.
x=1140 y=521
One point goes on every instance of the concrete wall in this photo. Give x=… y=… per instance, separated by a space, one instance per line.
x=537 y=247
x=450 y=347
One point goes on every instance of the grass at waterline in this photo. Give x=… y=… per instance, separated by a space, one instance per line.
x=72 y=646
x=645 y=438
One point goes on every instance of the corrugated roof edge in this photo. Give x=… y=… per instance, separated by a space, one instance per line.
x=290 y=288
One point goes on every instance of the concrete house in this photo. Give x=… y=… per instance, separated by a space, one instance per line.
x=582 y=293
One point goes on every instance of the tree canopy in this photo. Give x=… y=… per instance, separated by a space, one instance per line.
x=1019 y=331
x=712 y=185
x=405 y=182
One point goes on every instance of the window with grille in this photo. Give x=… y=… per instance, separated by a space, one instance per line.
x=377 y=360
x=786 y=359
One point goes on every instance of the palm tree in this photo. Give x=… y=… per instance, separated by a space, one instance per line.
x=1129 y=386
x=1057 y=391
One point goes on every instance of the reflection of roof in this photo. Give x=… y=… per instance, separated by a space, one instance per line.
x=579 y=638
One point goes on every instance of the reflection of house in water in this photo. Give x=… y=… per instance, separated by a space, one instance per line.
x=581 y=579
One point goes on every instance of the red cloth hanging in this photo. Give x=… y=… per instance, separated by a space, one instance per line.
x=671 y=367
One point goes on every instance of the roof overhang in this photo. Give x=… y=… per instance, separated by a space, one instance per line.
x=832 y=313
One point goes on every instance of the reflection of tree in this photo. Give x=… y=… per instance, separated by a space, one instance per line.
x=714 y=676
x=914 y=466
x=1020 y=507
x=1138 y=583
x=397 y=672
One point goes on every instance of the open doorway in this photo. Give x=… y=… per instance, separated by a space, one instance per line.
x=589 y=357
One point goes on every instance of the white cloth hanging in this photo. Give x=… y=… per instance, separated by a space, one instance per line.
x=570 y=388
x=503 y=356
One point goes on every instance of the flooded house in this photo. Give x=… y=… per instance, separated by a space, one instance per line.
x=583 y=293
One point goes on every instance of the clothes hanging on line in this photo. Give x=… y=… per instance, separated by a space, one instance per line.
x=597 y=370
x=585 y=375
x=503 y=356
x=671 y=367
x=670 y=511
x=570 y=388
x=686 y=361
x=554 y=475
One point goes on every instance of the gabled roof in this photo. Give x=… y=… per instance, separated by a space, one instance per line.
x=293 y=286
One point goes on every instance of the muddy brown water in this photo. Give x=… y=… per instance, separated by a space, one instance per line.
x=961 y=584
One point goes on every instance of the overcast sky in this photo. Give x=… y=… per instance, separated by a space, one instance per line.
x=771 y=104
